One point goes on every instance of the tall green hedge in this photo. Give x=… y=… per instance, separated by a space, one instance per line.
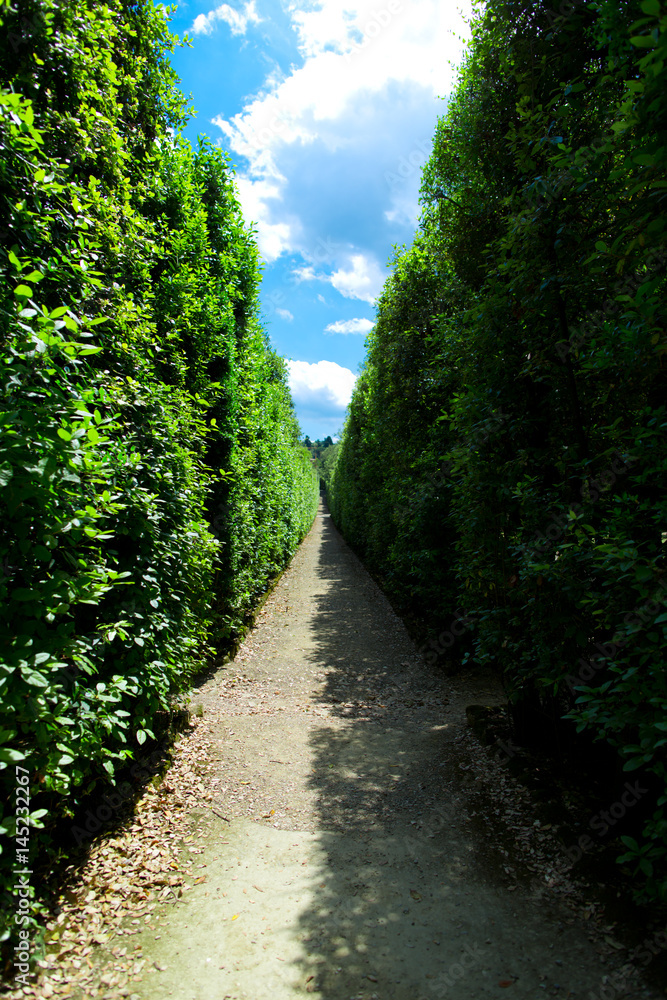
x=151 y=475
x=504 y=464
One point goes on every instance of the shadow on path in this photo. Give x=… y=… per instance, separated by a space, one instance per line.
x=403 y=908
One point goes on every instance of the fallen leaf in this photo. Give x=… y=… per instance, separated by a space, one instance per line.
x=235 y=917
x=506 y=982
x=415 y=895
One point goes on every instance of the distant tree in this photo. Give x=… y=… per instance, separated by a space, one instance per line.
x=326 y=461
x=307 y=442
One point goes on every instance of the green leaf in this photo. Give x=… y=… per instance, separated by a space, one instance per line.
x=23 y=292
x=25 y=594
x=6 y=473
x=644 y=159
x=141 y=736
x=632 y=765
x=34 y=677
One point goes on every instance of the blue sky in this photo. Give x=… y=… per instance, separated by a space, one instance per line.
x=327 y=110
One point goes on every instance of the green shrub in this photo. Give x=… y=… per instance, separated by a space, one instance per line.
x=151 y=477
x=505 y=455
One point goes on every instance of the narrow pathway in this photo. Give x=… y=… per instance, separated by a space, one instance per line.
x=338 y=858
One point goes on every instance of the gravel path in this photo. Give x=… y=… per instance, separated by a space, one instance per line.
x=335 y=841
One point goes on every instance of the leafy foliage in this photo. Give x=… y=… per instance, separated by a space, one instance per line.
x=323 y=454
x=151 y=475
x=505 y=452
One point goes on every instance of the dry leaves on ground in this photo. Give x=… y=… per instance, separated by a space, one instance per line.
x=152 y=858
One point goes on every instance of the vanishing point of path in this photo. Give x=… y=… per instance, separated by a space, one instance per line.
x=339 y=860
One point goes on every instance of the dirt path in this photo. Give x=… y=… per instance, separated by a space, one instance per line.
x=335 y=852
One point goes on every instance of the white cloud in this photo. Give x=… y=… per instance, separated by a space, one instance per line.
x=285 y=314
x=350 y=326
x=323 y=388
x=237 y=20
x=354 y=54
x=363 y=280
x=273 y=238
x=307 y=274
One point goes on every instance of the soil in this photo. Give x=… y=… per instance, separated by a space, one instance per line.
x=330 y=826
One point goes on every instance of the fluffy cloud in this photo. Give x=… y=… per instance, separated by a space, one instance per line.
x=350 y=326
x=237 y=20
x=322 y=389
x=285 y=314
x=361 y=279
x=365 y=71
x=274 y=238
